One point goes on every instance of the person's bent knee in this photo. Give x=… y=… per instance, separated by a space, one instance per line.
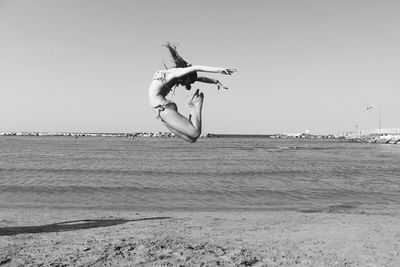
x=194 y=135
x=192 y=140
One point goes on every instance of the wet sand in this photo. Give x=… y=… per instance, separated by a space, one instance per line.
x=333 y=237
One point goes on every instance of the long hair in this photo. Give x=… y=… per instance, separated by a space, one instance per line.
x=178 y=60
x=181 y=63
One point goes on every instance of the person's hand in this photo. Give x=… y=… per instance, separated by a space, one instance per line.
x=219 y=85
x=227 y=71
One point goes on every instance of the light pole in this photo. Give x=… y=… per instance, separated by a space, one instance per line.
x=380 y=116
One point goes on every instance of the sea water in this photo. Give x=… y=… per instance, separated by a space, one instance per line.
x=212 y=174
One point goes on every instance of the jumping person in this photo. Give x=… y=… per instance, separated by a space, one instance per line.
x=183 y=74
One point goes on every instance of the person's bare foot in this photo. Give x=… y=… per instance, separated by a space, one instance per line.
x=194 y=99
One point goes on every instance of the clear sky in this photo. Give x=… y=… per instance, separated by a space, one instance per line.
x=72 y=65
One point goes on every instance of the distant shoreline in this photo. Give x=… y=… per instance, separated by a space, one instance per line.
x=166 y=134
x=382 y=139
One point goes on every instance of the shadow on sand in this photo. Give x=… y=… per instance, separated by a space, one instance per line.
x=69 y=226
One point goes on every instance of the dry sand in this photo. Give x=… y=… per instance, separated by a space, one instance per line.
x=333 y=237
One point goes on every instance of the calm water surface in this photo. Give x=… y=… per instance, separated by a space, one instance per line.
x=213 y=174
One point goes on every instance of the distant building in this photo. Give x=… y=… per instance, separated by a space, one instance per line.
x=380 y=131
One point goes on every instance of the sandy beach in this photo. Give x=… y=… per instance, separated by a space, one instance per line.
x=333 y=237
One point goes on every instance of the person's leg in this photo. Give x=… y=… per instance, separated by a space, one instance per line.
x=189 y=130
x=196 y=103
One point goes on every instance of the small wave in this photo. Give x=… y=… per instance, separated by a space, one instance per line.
x=152 y=173
x=139 y=189
x=78 y=170
x=278 y=148
x=316 y=148
x=341 y=208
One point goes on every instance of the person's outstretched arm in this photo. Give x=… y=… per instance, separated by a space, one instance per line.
x=214 y=69
x=209 y=80
x=179 y=72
